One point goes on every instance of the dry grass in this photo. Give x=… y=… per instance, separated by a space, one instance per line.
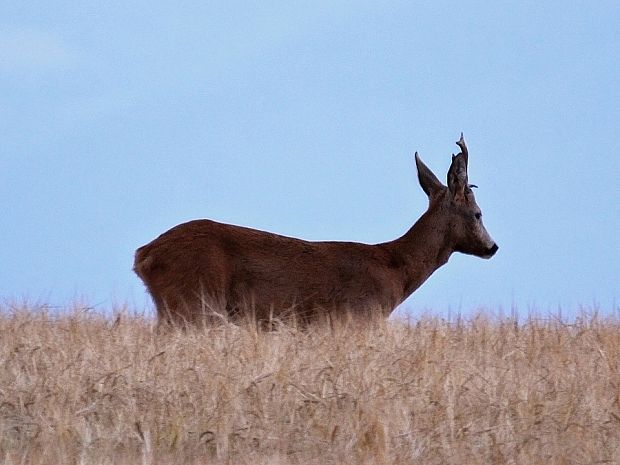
x=81 y=388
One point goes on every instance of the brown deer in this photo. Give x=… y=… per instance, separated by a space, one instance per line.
x=202 y=269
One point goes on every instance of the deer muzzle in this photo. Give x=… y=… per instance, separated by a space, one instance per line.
x=491 y=251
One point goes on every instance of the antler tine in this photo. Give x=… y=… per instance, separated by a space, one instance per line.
x=463 y=147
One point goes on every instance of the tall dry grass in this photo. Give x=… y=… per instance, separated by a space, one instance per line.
x=80 y=388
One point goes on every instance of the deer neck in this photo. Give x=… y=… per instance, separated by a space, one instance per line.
x=421 y=250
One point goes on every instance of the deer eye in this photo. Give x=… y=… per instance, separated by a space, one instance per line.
x=478 y=216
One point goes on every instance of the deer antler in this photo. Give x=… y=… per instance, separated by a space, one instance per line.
x=457 y=174
x=463 y=147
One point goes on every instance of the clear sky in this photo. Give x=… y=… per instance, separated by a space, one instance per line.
x=121 y=119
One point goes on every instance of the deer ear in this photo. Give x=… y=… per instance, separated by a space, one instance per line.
x=457 y=176
x=429 y=182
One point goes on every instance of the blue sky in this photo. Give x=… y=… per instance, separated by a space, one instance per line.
x=121 y=119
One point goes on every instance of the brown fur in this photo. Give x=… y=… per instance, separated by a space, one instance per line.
x=204 y=270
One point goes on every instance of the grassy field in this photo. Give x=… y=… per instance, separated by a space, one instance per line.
x=84 y=389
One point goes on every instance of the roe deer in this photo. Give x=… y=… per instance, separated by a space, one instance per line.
x=203 y=268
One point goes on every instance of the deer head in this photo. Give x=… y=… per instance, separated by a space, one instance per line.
x=454 y=208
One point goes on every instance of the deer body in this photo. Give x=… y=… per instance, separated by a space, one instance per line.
x=203 y=267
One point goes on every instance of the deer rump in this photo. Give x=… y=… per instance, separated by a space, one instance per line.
x=204 y=270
